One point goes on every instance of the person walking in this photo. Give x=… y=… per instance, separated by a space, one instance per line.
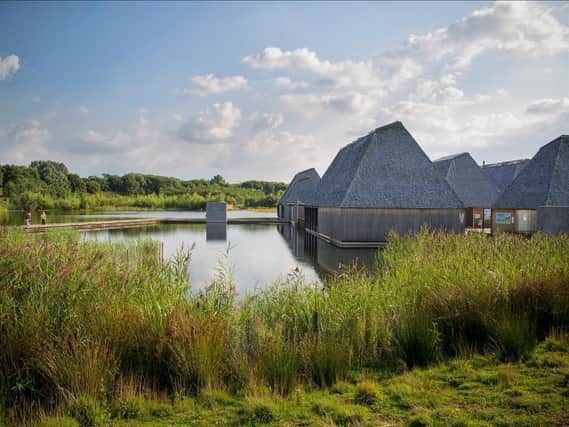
x=43 y=218
x=28 y=218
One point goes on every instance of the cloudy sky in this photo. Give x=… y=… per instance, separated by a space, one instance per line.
x=262 y=90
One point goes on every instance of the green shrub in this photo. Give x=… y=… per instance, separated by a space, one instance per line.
x=87 y=411
x=422 y=420
x=262 y=413
x=342 y=387
x=126 y=408
x=367 y=393
x=160 y=410
x=56 y=422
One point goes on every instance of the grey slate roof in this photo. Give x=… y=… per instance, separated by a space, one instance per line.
x=301 y=188
x=471 y=184
x=385 y=169
x=543 y=182
x=505 y=172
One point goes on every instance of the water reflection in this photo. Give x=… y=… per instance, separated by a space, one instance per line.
x=215 y=231
x=53 y=216
x=257 y=255
x=325 y=257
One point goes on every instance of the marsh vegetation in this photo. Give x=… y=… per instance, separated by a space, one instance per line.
x=93 y=333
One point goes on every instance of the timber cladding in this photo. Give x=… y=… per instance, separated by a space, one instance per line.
x=553 y=219
x=374 y=224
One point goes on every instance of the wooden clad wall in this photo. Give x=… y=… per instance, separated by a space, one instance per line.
x=553 y=219
x=373 y=225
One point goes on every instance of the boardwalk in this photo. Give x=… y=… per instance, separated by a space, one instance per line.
x=131 y=223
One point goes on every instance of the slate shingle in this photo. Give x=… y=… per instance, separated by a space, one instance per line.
x=505 y=172
x=471 y=184
x=384 y=169
x=544 y=181
x=301 y=188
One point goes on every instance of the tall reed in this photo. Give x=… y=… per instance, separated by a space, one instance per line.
x=78 y=319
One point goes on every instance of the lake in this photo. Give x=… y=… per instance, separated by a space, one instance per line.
x=17 y=217
x=257 y=255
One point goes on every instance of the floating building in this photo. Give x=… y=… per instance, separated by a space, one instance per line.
x=473 y=186
x=381 y=182
x=538 y=198
x=300 y=189
x=505 y=172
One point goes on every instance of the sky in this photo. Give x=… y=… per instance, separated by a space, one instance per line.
x=259 y=90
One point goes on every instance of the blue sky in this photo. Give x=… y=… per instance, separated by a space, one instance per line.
x=261 y=90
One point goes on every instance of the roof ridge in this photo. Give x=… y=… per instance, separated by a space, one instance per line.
x=507 y=162
x=451 y=157
x=365 y=141
x=556 y=163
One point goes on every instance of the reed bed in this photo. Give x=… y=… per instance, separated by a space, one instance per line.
x=79 y=320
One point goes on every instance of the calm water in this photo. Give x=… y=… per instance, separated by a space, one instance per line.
x=258 y=255
x=17 y=217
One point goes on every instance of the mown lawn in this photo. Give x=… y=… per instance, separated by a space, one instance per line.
x=478 y=391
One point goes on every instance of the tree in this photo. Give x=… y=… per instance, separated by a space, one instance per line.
x=218 y=179
x=92 y=185
x=54 y=175
x=76 y=183
x=132 y=184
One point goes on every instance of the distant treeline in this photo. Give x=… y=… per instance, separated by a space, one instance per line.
x=50 y=185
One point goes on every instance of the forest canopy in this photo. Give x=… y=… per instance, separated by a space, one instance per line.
x=46 y=184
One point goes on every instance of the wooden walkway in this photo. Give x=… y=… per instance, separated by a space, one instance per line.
x=131 y=223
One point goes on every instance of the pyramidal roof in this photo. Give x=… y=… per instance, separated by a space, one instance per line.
x=302 y=187
x=505 y=172
x=385 y=169
x=471 y=184
x=543 y=182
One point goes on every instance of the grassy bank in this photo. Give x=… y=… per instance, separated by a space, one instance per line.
x=477 y=391
x=106 y=200
x=84 y=328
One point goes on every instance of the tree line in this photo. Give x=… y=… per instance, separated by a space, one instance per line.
x=46 y=184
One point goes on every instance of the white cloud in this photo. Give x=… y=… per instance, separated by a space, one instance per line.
x=36 y=99
x=9 y=65
x=215 y=124
x=287 y=83
x=209 y=84
x=438 y=91
x=264 y=121
x=448 y=128
x=24 y=142
x=549 y=106
x=343 y=74
x=527 y=29
x=83 y=109
x=311 y=104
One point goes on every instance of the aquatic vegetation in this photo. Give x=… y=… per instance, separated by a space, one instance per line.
x=78 y=320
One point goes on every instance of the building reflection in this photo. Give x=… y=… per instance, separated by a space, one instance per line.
x=325 y=257
x=215 y=231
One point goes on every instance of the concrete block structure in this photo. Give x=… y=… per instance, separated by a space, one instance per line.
x=216 y=212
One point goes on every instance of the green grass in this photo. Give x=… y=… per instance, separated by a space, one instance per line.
x=109 y=332
x=481 y=391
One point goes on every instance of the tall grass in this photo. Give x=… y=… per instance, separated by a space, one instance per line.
x=78 y=320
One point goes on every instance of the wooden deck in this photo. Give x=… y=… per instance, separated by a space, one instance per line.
x=346 y=244
x=131 y=223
